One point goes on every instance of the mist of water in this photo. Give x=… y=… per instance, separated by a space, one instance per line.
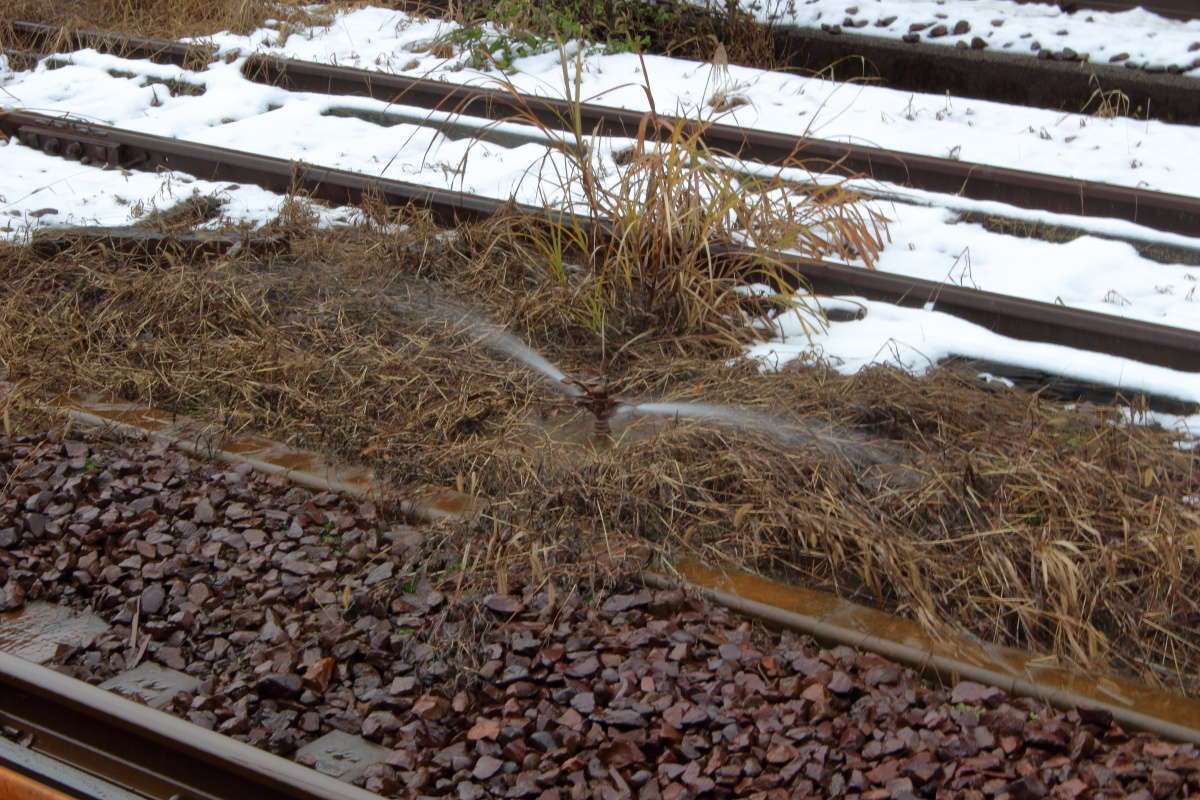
x=848 y=445
x=499 y=339
x=738 y=417
x=489 y=334
x=844 y=444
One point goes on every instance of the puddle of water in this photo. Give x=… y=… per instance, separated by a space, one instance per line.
x=447 y=503
x=151 y=684
x=1111 y=690
x=300 y=462
x=340 y=755
x=247 y=443
x=140 y=417
x=35 y=632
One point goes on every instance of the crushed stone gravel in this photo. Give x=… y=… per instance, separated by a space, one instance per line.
x=303 y=613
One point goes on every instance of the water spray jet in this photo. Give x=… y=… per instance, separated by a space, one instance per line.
x=599 y=396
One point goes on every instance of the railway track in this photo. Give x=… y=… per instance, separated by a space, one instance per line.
x=995 y=75
x=38 y=38
x=1054 y=79
x=74 y=740
x=1009 y=316
x=84 y=742
x=1167 y=346
x=66 y=739
x=1163 y=211
x=74 y=749
x=990 y=74
x=1162 y=345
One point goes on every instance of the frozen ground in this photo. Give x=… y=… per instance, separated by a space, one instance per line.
x=1136 y=38
x=926 y=241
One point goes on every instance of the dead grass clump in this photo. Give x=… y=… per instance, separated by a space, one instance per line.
x=1105 y=104
x=639 y=244
x=189 y=212
x=994 y=512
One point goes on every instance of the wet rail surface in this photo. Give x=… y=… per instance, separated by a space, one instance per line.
x=1167 y=346
x=78 y=733
x=835 y=620
x=1163 y=211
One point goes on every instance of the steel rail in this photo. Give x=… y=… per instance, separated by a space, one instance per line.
x=1163 y=211
x=1018 y=318
x=1015 y=317
x=150 y=752
x=947 y=668
x=990 y=74
x=1174 y=9
x=1167 y=212
x=107 y=146
x=56 y=775
x=49 y=38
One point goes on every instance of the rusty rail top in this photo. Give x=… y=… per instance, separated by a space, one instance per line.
x=154 y=753
x=1167 y=346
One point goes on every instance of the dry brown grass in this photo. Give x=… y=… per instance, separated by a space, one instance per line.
x=1009 y=517
x=164 y=19
x=1012 y=518
x=673 y=198
x=1105 y=104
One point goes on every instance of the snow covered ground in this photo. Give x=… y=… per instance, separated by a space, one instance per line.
x=926 y=240
x=1136 y=38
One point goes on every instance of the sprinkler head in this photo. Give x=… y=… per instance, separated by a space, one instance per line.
x=600 y=398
